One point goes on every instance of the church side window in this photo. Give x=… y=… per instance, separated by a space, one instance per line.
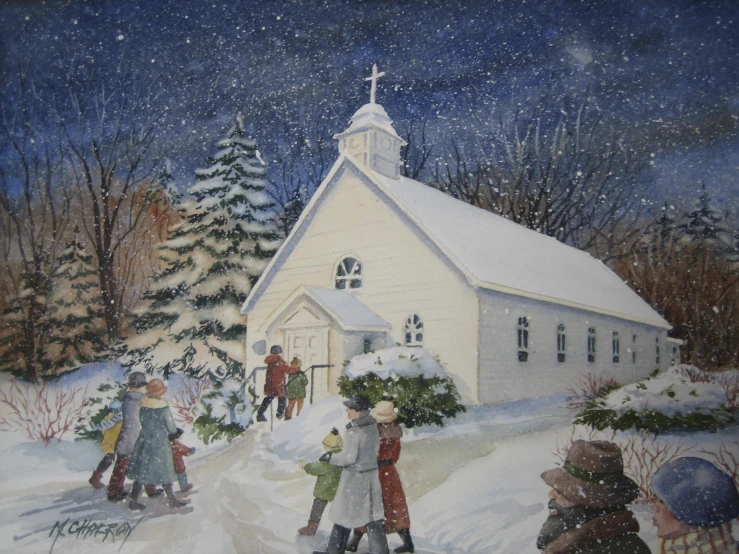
x=523 y=339
x=561 y=345
x=591 y=344
x=656 y=348
x=633 y=349
x=616 y=347
x=413 y=331
x=348 y=274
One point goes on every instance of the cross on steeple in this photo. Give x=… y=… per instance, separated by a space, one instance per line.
x=373 y=78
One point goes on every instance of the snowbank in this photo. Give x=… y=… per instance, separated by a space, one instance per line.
x=670 y=393
x=391 y=362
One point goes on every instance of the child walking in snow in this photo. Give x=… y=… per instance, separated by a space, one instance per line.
x=296 y=385
x=327 y=482
x=179 y=450
x=111 y=428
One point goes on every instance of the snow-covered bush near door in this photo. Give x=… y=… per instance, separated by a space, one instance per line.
x=225 y=411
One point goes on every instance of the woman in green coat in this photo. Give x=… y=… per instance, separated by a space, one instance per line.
x=297 y=384
x=151 y=459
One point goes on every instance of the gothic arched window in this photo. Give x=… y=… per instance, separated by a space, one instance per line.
x=348 y=274
x=413 y=331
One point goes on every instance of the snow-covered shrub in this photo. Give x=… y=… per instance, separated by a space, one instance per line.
x=224 y=411
x=411 y=377
x=589 y=388
x=186 y=396
x=41 y=411
x=666 y=401
x=96 y=408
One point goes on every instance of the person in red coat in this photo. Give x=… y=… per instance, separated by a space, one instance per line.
x=179 y=450
x=275 y=385
x=397 y=519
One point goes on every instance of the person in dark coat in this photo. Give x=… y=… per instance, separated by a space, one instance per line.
x=697 y=502
x=151 y=459
x=275 y=384
x=358 y=499
x=129 y=433
x=397 y=518
x=297 y=384
x=587 y=507
x=179 y=451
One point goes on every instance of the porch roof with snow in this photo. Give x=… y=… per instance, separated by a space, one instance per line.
x=492 y=252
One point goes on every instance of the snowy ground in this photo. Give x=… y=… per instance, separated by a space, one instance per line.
x=473 y=487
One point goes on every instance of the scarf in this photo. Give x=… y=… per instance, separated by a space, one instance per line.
x=714 y=540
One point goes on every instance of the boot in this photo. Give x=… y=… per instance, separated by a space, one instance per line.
x=135 y=505
x=310 y=529
x=152 y=491
x=173 y=502
x=95 y=480
x=405 y=534
x=353 y=543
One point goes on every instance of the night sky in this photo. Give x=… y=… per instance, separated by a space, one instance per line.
x=667 y=69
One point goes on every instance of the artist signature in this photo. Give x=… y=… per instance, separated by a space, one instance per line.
x=88 y=528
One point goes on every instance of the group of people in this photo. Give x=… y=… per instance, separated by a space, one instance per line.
x=286 y=382
x=141 y=437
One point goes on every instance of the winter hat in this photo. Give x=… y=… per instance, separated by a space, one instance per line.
x=136 y=380
x=384 y=412
x=593 y=476
x=177 y=435
x=155 y=388
x=276 y=349
x=359 y=402
x=333 y=441
x=696 y=492
x=115 y=405
x=296 y=362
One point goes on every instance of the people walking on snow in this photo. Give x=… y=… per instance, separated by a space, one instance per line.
x=358 y=499
x=179 y=450
x=130 y=429
x=397 y=518
x=327 y=482
x=151 y=458
x=297 y=384
x=587 y=510
x=111 y=428
x=275 y=383
x=697 y=502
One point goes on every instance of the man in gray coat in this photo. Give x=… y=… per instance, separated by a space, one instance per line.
x=358 y=499
x=129 y=433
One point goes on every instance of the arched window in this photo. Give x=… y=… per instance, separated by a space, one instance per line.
x=561 y=346
x=523 y=339
x=591 y=344
x=413 y=331
x=348 y=274
x=616 y=347
x=633 y=349
x=656 y=347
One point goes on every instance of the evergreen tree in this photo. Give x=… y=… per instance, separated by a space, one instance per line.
x=76 y=316
x=705 y=223
x=191 y=320
x=662 y=236
x=167 y=182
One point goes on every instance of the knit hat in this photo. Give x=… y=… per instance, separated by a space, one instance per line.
x=136 y=380
x=155 y=388
x=333 y=441
x=115 y=405
x=177 y=435
x=384 y=412
x=276 y=349
x=296 y=362
x=359 y=402
x=593 y=476
x=696 y=492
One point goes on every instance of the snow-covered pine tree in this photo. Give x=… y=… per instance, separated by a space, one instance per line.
x=191 y=320
x=705 y=223
x=662 y=236
x=167 y=182
x=76 y=316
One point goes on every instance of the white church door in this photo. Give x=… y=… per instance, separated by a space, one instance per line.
x=311 y=346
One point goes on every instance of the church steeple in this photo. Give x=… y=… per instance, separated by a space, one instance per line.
x=370 y=138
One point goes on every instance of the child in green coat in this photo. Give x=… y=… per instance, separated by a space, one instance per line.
x=296 y=389
x=327 y=482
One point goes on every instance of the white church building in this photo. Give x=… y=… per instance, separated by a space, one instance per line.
x=377 y=259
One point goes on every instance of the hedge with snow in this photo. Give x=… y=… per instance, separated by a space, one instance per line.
x=681 y=398
x=411 y=377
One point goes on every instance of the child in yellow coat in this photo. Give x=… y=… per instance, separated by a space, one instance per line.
x=111 y=428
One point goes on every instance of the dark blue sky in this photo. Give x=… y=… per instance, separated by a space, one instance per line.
x=667 y=69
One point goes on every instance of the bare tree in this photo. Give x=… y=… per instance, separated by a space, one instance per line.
x=418 y=147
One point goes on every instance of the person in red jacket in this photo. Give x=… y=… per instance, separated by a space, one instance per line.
x=179 y=450
x=275 y=385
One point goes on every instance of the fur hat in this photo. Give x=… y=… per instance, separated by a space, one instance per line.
x=155 y=388
x=593 y=476
x=136 y=380
x=696 y=492
x=359 y=402
x=296 y=362
x=115 y=405
x=177 y=435
x=384 y=412
x=275 y=349
x=333 y=441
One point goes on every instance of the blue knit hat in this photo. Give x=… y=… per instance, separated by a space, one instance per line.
x=696 y=492
x=115 y=405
